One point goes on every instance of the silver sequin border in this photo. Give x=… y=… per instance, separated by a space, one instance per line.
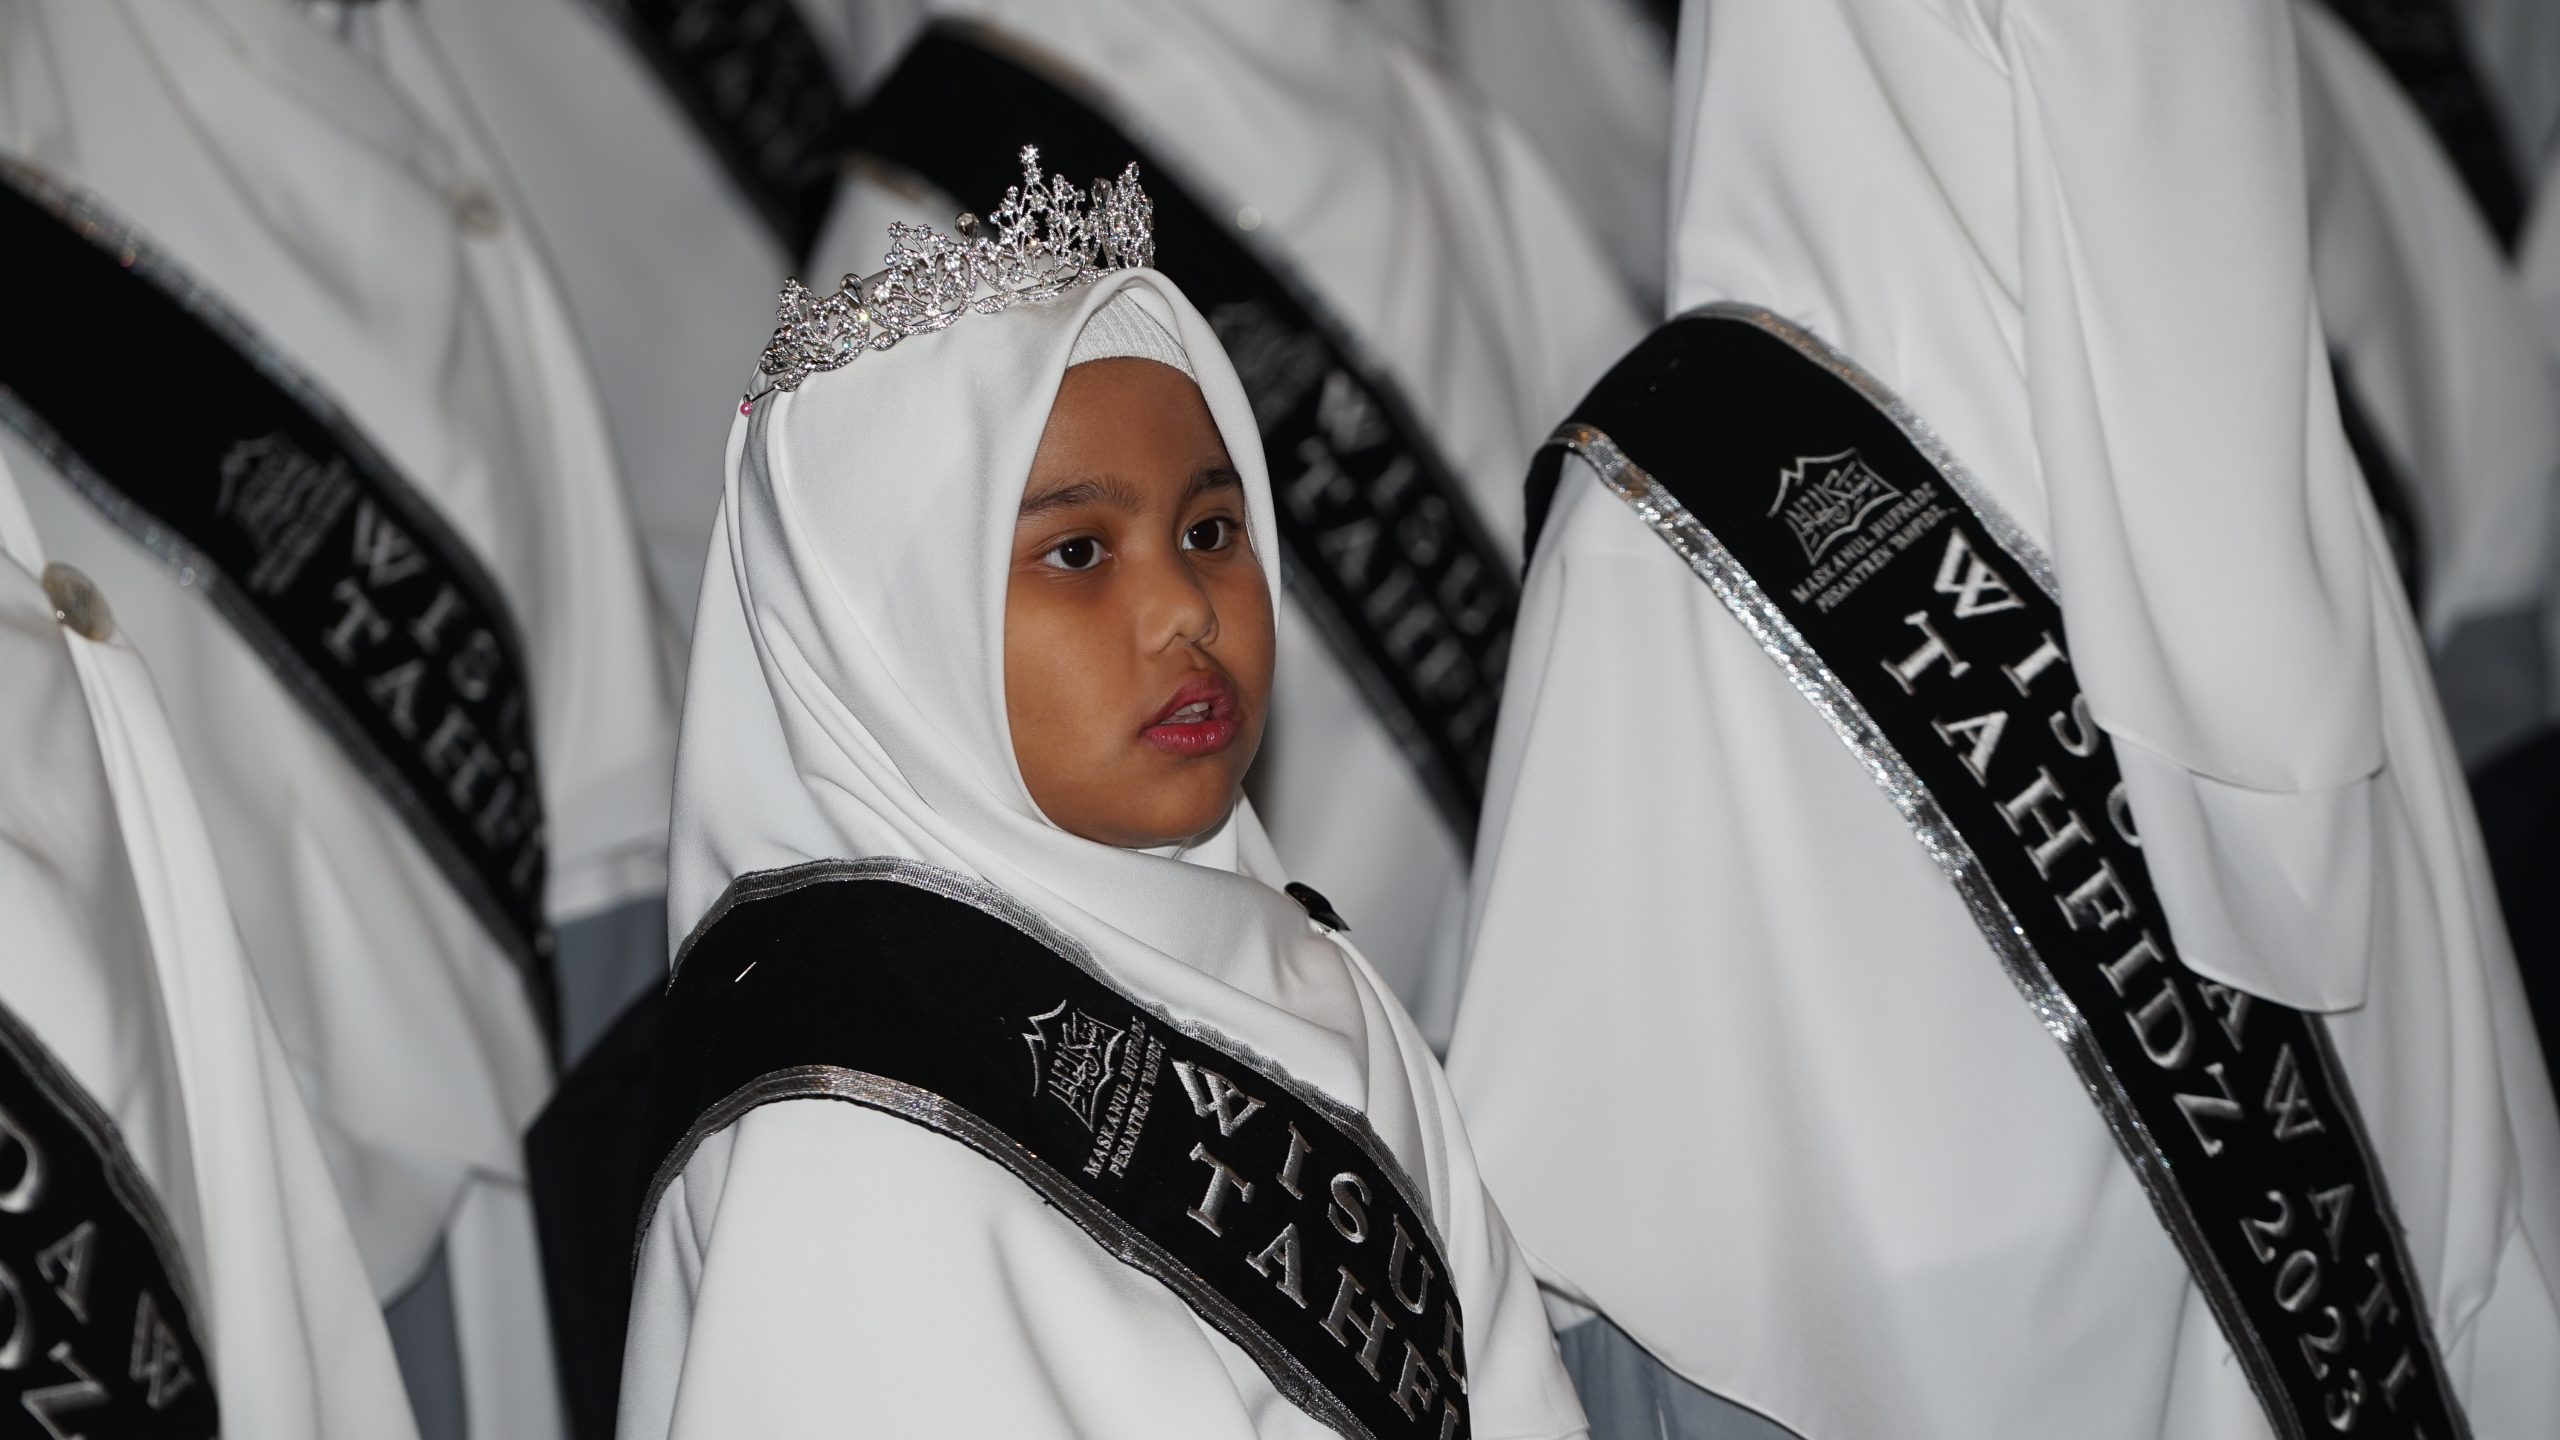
x=1697 y=547
x=189 y=568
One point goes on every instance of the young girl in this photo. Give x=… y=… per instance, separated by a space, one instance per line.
x=1004 y=1091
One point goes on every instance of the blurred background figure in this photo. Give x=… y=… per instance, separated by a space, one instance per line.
x=672 y=157
x=174 y=1236
x=398 y=616
x=1411 y=299
x=1589 y=83
x=1752 y=1076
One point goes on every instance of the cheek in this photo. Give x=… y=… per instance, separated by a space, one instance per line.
x=1057 y=682
x=1245 y=628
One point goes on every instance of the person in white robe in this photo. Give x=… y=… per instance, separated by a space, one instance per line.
x=2435 y=337
x=1589 y=83
x=1769 y=1116
x=124 y=964
x=819 y=1267
x=1435 y=236
x=669 y=262
x=347 y=222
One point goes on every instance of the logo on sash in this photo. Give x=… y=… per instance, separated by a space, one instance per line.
x=1925 y=629
x=1276 y=1214
x=369 y=609
x=1077 y=1062
x=1825 y=498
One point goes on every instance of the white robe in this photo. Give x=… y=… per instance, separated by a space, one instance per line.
x=1433 y=234
x=1590 y=86
x=376 y=250
x=1733 y=1051
x=668 y=271
x=824 y=1270
x=2440 y=344
x=123 y=959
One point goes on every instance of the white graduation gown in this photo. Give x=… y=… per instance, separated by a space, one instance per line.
x=2439 y=343
x=820 y=1269
x=1437 y=238
x=1590 y=86
x=123 y=959
x=376 y=251
x=668 y=272
x=1735 y=1054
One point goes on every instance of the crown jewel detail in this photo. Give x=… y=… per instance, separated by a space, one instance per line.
x=1048 y=237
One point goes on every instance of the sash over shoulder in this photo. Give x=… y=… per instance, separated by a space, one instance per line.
x=254 y=487
x=1277 y=1215
x=1924 y=627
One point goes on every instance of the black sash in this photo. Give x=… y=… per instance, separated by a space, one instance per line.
x=1277 y=1216
x=1925 y=629
x=2421 y=42
x=97 y=1335
x=753 y=78
x=1384 y=548
x=196 y=437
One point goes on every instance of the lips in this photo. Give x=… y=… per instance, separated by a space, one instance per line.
x=1200 y=719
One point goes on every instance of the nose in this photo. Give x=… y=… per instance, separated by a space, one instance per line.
x=1174 y=607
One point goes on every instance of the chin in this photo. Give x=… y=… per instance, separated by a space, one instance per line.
x=1183 y=824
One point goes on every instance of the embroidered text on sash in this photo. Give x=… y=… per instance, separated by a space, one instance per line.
x=256 y=489
x=1279 y=1217
x=97 y=1333
x=1924 y=628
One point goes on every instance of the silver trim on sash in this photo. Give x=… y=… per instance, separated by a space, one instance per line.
x=125 y=1179
x=986 y=898
x=1122 y=1240
x=1698 y=548
x=189 y=568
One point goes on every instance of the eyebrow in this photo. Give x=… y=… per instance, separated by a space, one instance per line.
x=1119 y=495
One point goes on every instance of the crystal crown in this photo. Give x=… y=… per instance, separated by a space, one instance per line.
x=1048 y=237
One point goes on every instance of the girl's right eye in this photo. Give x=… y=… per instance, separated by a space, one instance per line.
x=1082 y=553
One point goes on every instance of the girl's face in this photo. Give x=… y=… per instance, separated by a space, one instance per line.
x=1137 y=637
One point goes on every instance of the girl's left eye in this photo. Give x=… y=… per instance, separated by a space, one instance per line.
x=1215 y=533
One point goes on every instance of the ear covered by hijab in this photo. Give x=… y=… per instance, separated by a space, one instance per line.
x=2098 y=290
x=846 y=695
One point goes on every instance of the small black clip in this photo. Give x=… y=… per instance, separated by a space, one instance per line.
x=1318 y=908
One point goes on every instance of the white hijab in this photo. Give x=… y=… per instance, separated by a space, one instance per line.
x=846 y=697
x=2074 y=238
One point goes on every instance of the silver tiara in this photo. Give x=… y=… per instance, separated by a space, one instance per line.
x=1047 y=238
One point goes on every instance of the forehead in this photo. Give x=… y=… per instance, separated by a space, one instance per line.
x=1128 y=419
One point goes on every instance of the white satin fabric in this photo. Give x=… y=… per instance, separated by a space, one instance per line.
x=123 y=959
x=1589 y=84
x=318 y=183
x=1793 y=1130
x=820 y=1269
x=1438 y=240
x=668 y=272
x=2439 y=341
